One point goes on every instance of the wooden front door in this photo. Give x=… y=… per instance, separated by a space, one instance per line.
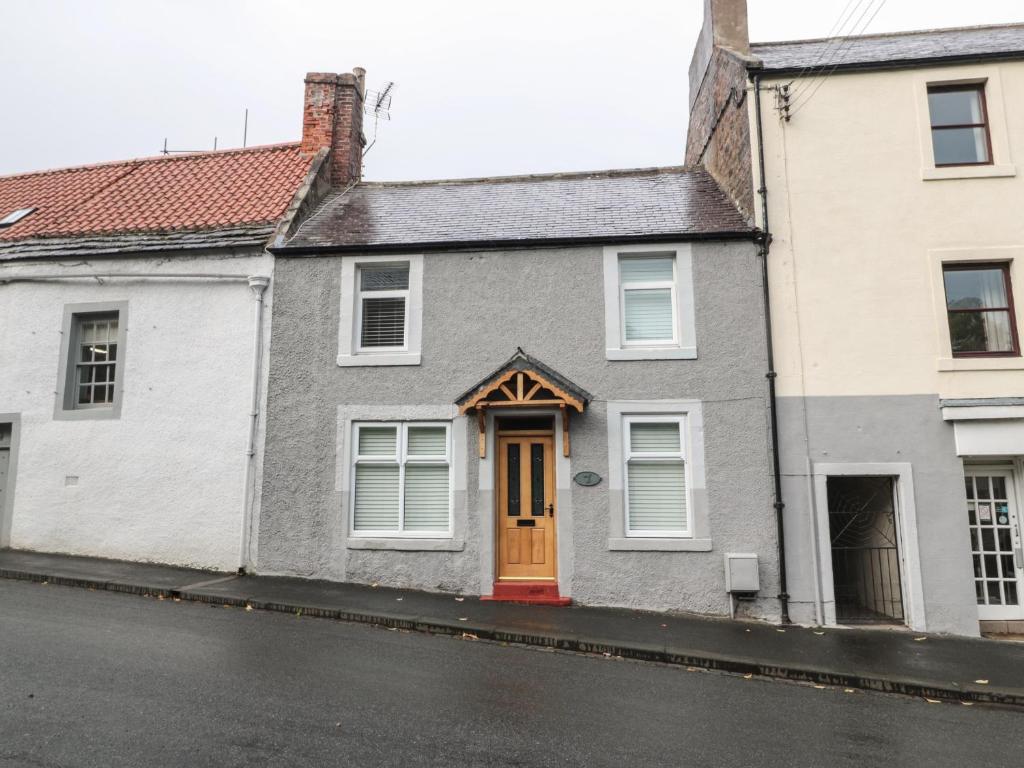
x=526 y=508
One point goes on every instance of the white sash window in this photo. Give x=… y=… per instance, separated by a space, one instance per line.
x=401 y=479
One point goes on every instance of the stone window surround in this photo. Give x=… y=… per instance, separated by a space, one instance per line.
x=349 y=413
x=685 y=314
x=700 y=529
x=347 y=354
x=1014 y=255
x=66 y=370
x=7 y=508
x=988 y=75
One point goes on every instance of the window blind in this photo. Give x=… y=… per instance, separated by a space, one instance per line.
x=646 y=269
x=428 y=441
x=426 y=497
x=378 y=441
x=648 y=314
x=654 y=438
x=657 y=496
x=383 y=323
x=376 y=502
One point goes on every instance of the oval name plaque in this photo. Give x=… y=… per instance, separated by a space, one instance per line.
x=587 y=478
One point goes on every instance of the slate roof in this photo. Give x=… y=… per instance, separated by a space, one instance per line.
x=895 y=49
x=605 y=206
x=210 y=199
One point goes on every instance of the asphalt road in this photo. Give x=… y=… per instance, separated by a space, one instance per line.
x=100 y=679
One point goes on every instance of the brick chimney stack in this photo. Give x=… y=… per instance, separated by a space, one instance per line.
x=725 y=26
x=332 y=116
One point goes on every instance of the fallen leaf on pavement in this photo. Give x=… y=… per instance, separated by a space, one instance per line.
x=748 y=676
x=469 y=636
x=932 y=701
x=848 y=690
x=248 y=607
x=691 y=669
x=919 y=639
x=981 y=682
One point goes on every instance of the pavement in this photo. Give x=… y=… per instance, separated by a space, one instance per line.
x=92 y=679
x=926 y=665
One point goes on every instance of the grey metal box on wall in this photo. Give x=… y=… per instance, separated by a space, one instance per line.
x=741 y=572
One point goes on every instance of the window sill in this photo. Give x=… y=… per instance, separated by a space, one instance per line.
x=1014 y=363
x=371 y=359
x=967 y=172
x=659 y=545
x=408 y=545
x=652 y=353
x=87 y=414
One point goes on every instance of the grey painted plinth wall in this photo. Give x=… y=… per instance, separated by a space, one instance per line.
x=478 y=307
x=871 y=431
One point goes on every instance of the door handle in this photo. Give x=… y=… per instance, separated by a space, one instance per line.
x=551 y=510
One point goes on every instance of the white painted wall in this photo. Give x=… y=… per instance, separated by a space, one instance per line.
x=862 y=221
x=164 y=482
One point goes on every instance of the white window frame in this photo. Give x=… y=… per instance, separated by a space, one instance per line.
x=649 y=285
x=350 y=350
x=401 y=458
x=360 y=295
x=660 y=456
x=683 y=344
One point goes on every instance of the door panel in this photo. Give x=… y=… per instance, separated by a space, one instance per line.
x=526 y=508
x=993 y=522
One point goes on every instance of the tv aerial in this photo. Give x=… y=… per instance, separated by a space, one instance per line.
x=378 y=104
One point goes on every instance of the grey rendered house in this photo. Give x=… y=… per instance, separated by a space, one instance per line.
x=541 y=388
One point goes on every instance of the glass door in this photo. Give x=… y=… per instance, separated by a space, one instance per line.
x=995 y=544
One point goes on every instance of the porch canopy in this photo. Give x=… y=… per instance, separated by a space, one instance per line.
x=523 y=382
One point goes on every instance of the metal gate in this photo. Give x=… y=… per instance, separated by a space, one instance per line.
x=865 y=549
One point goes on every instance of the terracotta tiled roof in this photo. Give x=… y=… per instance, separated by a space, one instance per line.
x=182 y=193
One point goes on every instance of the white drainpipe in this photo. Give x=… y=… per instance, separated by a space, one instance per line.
x=258 y=284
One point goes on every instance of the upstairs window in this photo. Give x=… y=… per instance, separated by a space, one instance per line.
x=979 y=304
x=382 y=304
x=648 y=297
x=95 y=361
x=959 y=124
x=648 y=302
x=91 y=376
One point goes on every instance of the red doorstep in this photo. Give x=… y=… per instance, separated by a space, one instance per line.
x=529 y=592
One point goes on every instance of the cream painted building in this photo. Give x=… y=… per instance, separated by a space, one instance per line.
x=892 y=187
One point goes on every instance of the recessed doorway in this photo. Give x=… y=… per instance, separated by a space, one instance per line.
x=865 y=548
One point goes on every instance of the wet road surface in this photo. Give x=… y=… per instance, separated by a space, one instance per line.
x=101 y=679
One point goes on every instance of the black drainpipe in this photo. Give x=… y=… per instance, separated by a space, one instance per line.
x=765 y=242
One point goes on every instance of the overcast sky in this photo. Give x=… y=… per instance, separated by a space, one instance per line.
x=481 y=88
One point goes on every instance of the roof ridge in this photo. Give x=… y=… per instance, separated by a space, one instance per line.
x=137 y=161
x=898 y=33
x=607 y=173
